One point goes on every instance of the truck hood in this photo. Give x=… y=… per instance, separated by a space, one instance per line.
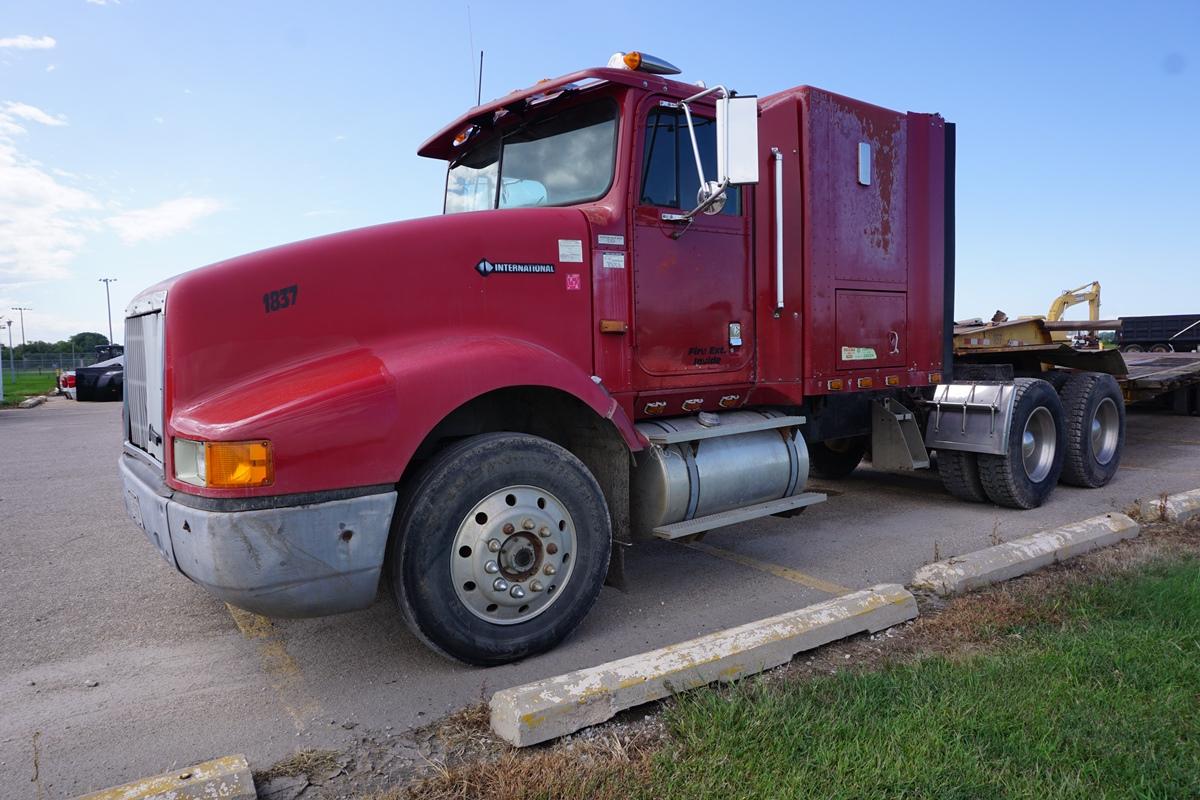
x=374 y=294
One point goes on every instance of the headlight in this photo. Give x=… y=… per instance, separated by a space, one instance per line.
x=224 y=465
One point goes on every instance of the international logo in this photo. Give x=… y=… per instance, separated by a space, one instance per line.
x=485 y=268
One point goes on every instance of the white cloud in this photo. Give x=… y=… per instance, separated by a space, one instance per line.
x=46 y=216
x=51 y=68
x=25 y=42
x=103 y=2
x=31 y=114
x=43 y=220
x=164 y=219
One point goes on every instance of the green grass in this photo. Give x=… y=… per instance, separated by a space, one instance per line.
x=25 y=385
x=1104 y=703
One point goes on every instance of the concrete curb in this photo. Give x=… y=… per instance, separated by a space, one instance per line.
x=1173 y=508
x=1008 y=560
x=30 y=402
x=546 y=709
x=225 y=778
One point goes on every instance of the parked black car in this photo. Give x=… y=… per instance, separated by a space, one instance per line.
x=102 y=381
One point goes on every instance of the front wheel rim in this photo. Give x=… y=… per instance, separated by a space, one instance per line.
x=513 y=554
x=1038 y=443
x=1105 y=431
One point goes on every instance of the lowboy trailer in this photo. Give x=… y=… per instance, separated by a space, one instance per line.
x=650 y=308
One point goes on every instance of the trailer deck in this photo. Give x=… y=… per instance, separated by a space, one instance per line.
x=1170 y=379
x=1152 y=375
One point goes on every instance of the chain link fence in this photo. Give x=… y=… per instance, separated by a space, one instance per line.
x=42 y=363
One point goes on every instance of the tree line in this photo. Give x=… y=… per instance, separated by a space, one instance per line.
x=80 y=343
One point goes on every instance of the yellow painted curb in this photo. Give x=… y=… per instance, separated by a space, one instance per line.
x=1020 y=556
x=546 y=709
x=225 y=778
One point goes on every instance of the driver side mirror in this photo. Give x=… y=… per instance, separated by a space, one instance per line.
x=737 y=140
x=737 y=150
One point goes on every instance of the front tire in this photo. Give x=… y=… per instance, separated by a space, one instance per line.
x=1095 y=415
x=1026 y=474
x=500 y=549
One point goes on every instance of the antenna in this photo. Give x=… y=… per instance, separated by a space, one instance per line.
x=479 y=86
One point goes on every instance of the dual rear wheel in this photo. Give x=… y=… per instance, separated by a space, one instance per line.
x=1075 y=435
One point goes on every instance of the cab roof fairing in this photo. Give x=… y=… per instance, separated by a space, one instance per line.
x=441 y=144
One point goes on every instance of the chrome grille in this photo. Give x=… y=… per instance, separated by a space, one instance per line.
x=143 y=382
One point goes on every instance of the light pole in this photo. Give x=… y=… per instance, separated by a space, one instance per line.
x=108 y=298
x=12 y=369
x=22 y=310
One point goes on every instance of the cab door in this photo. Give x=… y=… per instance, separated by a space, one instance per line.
x=693 y=314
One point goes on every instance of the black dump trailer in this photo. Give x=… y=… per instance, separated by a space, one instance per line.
x=1161 y=334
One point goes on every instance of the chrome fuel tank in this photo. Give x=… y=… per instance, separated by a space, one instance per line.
x=690 y=479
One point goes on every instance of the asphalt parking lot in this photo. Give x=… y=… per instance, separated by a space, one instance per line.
x=179 y=677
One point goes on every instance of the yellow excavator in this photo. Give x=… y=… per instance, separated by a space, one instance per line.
x=1088 y=293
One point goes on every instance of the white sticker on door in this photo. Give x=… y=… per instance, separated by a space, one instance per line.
x=858 y=354
x=570 y=250
x=608 y=238
x=614 y=261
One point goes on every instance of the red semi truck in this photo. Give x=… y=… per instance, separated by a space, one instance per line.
x=650 y=308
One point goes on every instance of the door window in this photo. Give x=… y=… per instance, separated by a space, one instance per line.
x=669 y=169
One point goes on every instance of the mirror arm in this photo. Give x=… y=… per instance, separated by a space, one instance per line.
x=687 y=113
x=690 y=216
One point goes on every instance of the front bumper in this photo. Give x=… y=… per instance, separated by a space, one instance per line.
x=287 y=559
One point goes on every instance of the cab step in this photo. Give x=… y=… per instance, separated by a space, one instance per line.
x=690 y=527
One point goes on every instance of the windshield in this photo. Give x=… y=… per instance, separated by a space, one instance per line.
x=553 y=161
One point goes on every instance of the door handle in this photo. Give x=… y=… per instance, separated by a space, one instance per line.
x=894 y=343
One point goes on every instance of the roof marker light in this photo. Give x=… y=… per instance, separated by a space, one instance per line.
x=642 y=62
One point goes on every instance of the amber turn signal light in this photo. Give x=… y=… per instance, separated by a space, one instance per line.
x=224 y=465
x=237 y=465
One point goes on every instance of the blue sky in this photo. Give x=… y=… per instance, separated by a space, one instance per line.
x=142 y=138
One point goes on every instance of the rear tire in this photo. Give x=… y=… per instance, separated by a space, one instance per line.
x=1161 y=348
x=836 y=458
x=1132 y=348
x=960 y=475
x=1026 y=474
x=1095 y=415
x=499 y=508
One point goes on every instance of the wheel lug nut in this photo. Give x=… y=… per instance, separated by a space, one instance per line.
x=500 y=585
x=491 y=568
x=517 y=592
x=549 y=569
x=527 y=524
x=508 y=528
x=494 y=545
x=552 y=548
x=536 y=586
x=543 y=531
